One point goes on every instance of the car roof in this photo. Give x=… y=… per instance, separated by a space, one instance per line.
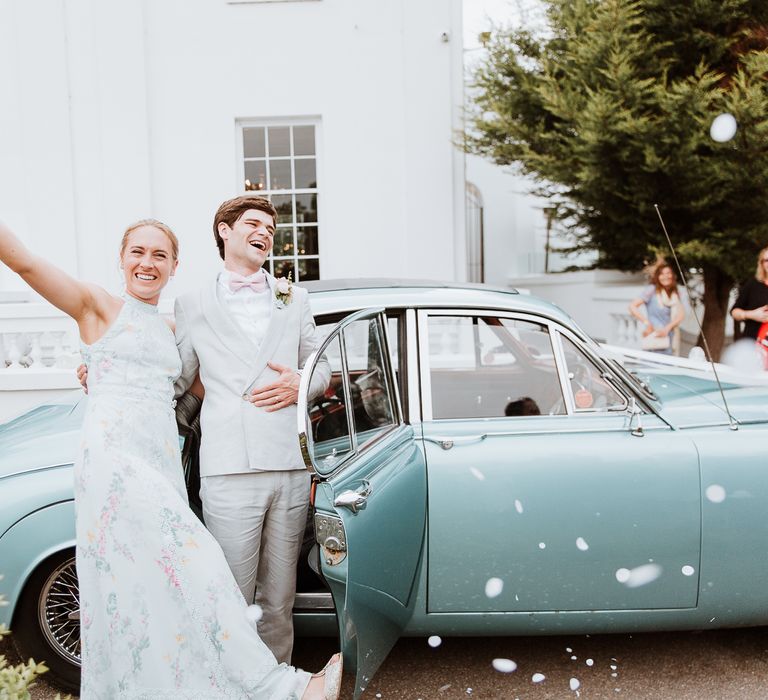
x=339 y=295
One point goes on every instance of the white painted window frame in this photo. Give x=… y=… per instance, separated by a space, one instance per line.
x=266 y=122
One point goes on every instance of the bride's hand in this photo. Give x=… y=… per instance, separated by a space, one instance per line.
x=82 y=377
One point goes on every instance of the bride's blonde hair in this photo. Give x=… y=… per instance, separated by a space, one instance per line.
x=160 y=226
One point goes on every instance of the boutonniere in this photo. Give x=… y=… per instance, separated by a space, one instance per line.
x=283 y=291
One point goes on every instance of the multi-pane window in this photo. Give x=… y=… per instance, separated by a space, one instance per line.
x=280 y=163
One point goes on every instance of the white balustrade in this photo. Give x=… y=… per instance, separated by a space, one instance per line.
x=39 y=351
x=626 y=331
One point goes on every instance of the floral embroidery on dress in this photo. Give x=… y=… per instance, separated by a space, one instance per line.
x=161 y=615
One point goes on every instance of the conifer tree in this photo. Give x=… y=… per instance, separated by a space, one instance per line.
x=609 y=110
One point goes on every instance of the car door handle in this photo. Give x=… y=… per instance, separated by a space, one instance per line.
x=448 y=442
x=354 y=500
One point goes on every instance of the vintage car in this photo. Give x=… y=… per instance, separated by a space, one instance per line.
x=482 y=467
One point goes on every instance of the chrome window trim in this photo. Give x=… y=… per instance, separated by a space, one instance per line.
x=600 y=365
x=304 y=434
x=412 y=367
x=347 y=391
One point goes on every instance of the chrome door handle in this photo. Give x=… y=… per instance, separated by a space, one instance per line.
x=354 y=500
x=448 y=442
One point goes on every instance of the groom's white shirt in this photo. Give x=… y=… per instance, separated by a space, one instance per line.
x=251 y=310
x=238 y=437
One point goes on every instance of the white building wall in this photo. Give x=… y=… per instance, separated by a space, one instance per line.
x=115 y=110
x=126 y=109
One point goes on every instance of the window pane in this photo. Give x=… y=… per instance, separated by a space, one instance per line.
x=284 y=205
x=255 y=175
x=305 y=173
x=279 y=141
x=370 y=393
x=253 y=142
x=304 y=140
x=280 y=174
x=283 y=241
x=283 y=267
x=307 y=240
x=306 y=208
x=590 y=391
x=488 y=367
x=309 y=269
x=328 y=415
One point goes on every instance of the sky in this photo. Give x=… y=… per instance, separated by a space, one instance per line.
x=480 y=14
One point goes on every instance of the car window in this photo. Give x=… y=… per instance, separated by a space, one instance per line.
x=590 y=391
x=325 y=327
x=489 y=367
x=364 y=405
x=328 y=413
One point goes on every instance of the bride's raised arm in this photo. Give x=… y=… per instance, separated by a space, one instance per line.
x=77 y=299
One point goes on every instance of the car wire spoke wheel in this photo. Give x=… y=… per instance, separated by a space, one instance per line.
x=59 y=611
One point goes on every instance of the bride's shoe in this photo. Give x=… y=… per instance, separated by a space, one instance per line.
x=331 y=674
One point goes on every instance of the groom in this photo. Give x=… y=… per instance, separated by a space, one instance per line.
x=248 y=335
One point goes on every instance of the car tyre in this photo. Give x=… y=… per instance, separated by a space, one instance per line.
x=46 y=624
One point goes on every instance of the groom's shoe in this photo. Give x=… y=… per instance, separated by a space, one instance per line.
x=332 y=676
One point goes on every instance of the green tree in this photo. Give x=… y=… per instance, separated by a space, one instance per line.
x=609 y=109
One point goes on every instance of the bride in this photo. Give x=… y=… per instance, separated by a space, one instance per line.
x=161 y=614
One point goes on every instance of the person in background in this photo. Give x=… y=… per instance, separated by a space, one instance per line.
x=751 y=306
x=665 y=306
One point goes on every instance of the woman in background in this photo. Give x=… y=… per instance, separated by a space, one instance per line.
x=664 y=310
x=751 y=306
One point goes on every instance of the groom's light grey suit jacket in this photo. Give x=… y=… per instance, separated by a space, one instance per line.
x=237 y=436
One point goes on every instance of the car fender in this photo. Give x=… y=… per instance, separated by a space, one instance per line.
x=28 y=543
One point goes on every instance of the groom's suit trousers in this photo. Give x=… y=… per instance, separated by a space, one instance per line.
x=258 y=519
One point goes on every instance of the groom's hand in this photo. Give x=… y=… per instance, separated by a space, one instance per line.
x=284 y=391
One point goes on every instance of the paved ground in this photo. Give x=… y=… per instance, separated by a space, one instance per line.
x=719 y=665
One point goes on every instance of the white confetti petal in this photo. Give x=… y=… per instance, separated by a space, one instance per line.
x=253 y=613
x=518 y=506
x=715 y=493
x=688 y=570
x=434 y=641
x=569 y=650
x=622 y=575
x=639 y=576
x=574 y=683
x=504 y=665
x=574 y=657
x=723 y=127
x=581 y=543
x=538 y=677
x=542 y=545
x=493 y=587
x=590 y=662
x=613 y=667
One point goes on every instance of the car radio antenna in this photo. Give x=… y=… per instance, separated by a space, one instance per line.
x=732 y=421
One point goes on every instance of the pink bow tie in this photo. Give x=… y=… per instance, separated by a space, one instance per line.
x=257 y=282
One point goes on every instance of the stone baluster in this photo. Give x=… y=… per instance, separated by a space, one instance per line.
x=12 y=343
x=35 y=352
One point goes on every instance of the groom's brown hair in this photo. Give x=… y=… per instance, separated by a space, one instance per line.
x=231 y=210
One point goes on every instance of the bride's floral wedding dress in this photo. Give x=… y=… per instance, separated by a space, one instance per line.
x=161 y=614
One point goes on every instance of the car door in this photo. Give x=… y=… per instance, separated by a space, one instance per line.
x=539 y=480
x=370 y=491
